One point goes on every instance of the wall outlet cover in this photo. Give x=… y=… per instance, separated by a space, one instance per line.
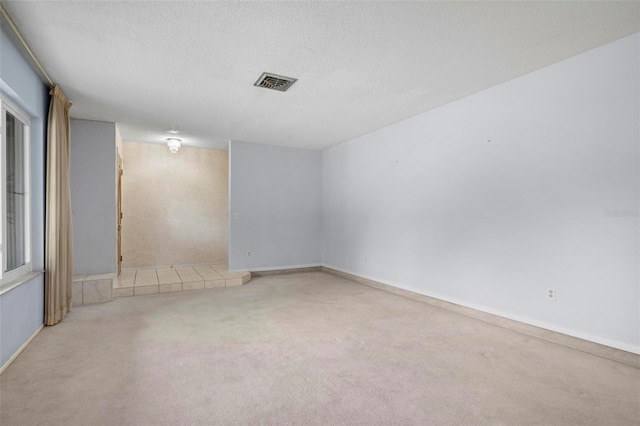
x=551 y=294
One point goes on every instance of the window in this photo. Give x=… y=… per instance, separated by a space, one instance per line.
x=15 y=200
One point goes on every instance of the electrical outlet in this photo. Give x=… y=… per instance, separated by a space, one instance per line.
x=248 y=254
x=551 y=294
x=366 y=258
x=236 y=216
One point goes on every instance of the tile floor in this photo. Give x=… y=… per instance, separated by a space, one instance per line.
x=137 y=282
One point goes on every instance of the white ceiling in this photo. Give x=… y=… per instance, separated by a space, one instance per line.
x=360 y=66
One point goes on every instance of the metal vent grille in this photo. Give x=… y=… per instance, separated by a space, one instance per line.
x=274 y=82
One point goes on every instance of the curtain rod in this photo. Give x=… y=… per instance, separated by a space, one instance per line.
x=24 y=43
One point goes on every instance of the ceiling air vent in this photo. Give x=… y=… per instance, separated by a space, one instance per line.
x=275 y=82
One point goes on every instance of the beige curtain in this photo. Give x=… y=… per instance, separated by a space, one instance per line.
x=59 y=234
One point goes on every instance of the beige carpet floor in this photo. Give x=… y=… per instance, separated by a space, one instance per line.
x=299 y=349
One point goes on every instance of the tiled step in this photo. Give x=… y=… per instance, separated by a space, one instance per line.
x=140 y=282
x=90 y=289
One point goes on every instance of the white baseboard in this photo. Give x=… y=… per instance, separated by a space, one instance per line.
x=541 y=324
x=277 y=268
x=21 y=348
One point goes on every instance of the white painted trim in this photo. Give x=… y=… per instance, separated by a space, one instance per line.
x=275 y=268
x=7 y=105
x=541 y=324
x=20 y=349
x=18 y=282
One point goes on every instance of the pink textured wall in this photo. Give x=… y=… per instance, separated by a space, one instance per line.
x=175 y=206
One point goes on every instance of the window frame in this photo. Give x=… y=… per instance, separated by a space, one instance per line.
x=6 y=105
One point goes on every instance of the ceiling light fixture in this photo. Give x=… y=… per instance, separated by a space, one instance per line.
x=174 y=145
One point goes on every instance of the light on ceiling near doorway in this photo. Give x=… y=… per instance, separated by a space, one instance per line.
x=174 y=145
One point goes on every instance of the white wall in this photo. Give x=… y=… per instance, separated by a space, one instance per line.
x=440 y=211
x=277 y=194
x=93 y=196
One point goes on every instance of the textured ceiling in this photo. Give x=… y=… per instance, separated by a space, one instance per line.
x=360 y=66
